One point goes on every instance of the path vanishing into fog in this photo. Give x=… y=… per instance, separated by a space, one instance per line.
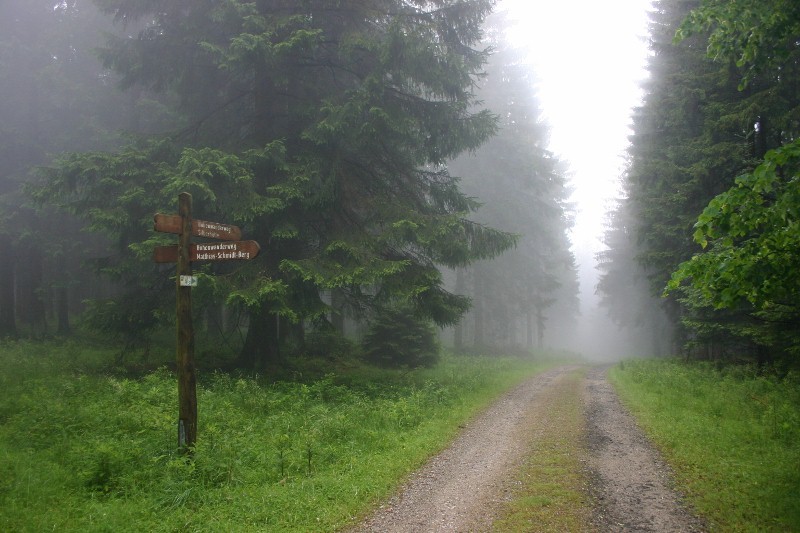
x=463 y=488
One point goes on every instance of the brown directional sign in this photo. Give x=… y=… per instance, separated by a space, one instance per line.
x=212 y=251
x=165 y=254
x=201 y=228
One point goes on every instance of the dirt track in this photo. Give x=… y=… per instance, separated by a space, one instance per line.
x=629 y=481
x=462 y=488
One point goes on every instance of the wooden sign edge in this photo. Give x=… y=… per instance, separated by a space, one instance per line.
x=169 y=253
x=163 y=223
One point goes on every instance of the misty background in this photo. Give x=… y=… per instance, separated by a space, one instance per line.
x=478 y=167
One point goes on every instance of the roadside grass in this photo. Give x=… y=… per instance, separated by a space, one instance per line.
x=732 y=436
x=82 y=450
x=550 y=493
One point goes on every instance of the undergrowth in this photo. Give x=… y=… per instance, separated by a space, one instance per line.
x=82 y=450
x=733 y=436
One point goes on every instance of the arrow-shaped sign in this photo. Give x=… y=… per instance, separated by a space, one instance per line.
x=201 y=228
x=213 y=251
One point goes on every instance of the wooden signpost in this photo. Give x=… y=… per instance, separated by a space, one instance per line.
x=201 y=228
x=183 y=254
x=217 y=251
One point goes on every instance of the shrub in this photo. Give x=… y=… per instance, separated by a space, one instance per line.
x=327 y=343
x=398 y=338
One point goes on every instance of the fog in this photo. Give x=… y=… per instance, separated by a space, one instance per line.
x=596 y=336
x=59 y=98
x=589 y=129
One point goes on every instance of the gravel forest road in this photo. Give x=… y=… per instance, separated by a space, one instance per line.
x=463 y=488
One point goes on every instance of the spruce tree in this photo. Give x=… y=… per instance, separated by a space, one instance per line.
x=321 y=129
x=748 y=232
x=56 y=97
x=523 y=189
x=688 y=140
x=720 y=96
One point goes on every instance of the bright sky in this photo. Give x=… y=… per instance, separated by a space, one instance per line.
x=589 y=57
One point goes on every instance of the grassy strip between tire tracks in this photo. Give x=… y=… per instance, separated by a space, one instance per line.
x=85 y=451
x=550 y=491
x=731 y=435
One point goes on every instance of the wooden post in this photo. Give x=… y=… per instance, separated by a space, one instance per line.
x=184 y=226
x=187 y=382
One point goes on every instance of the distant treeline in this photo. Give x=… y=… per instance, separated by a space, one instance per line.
x=337 y=136
x=710 y=215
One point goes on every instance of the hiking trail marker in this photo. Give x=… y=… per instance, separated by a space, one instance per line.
x=183 y=254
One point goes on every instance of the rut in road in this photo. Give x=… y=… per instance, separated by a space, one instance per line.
x=464 y=487
x=630 y=483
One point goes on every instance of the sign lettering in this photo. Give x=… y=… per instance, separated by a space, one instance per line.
x=200 y=228
x=216 y=251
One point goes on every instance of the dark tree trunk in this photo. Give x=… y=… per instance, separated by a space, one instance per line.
x=295 y=333
x=261 y=347
x=8 y=323
x=458 y=330
x=337 y=311
x=458 y=337
x=62 y=311
x=214 y=320
x=529 y=329
x=764 y=357
x=61 y=296
x=478 y=309
x=134 y=114
x=30 y=305
x=540 y=319
x=760 y=138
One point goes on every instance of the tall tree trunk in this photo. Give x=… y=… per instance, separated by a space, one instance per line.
x=529 y=329
x=540 y=320
x=62 y=311
x=337 y=311
x=8 y=323
x=764 y=357
x=30 y=305
x=458 y=336
x=478 y=309
x=760 y=145
x=62 y=296
x=261 y=347
x=134 y=114
x=458 y=330
x=294 y=333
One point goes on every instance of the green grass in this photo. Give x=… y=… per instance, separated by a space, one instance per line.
x=550 y=494
x=86 y=451
x=732 y=435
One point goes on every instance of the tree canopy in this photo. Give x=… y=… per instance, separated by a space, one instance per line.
x=716 y=139
x=322 y=129
x=56 y=97
x=749 y=232
x=524 y=190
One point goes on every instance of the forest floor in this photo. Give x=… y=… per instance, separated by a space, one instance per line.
x=467 y=487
